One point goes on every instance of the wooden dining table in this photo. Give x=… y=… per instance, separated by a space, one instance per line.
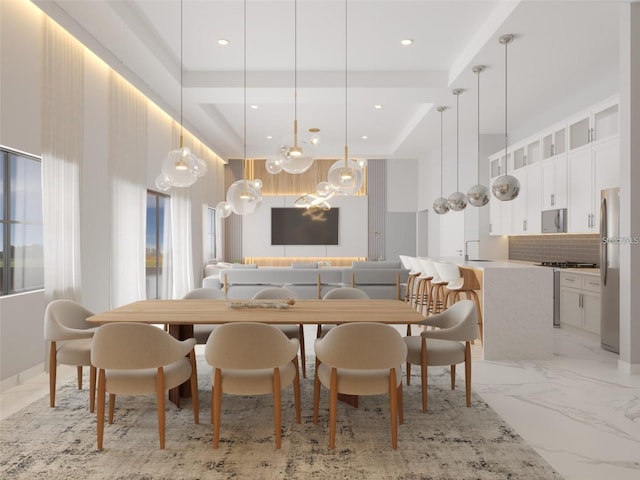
x=181 y=315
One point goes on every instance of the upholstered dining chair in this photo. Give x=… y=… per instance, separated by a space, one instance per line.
x=449 y=344
x=360 y=359
x=137 y=358
x=201 y=332
x=342 y=293
x=69 y=334
x=291 y=331
x=252 y=359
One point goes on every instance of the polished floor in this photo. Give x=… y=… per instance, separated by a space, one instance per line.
x=577 y=410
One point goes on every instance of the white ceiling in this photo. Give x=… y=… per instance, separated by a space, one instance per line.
x=560 y=48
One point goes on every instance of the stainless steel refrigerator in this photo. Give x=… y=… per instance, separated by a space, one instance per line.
x=610 y=269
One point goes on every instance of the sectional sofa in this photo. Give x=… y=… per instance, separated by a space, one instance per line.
x=377 y=279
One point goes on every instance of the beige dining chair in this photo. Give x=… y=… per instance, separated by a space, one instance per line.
x=201 y=332
x=69 y=335
x=341 y=293
x=252 y=359
x=449 y=344
x=136 y=359
x=360 y=359
x=291 y=331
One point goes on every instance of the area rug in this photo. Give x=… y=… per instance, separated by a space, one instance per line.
x=450 y=442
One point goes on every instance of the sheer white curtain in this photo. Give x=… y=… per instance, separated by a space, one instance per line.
x=127 y=173
x=62 y=85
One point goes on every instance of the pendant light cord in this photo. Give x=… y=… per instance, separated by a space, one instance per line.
x=441 y=152
x=479 y=71
x=506 y=137
x=244 y=133
x=346 y=122
x=181 y=88
x=295 y=60
x=457 y=141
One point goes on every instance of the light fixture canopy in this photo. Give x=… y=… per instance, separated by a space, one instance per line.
x=506 y=187
x=457 y=200
x=441 y=204
x=478 y=195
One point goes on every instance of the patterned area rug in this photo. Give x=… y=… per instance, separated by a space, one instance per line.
x=450 y=442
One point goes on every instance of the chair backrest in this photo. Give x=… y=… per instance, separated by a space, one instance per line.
x=63 y=318
x=406 y=263
x=345 y=293
x=458 y=322
x=428 y=268
x=274 y=293
x=248 y=346
x=448 y=271
x=204 y=293
x=129 y=345
x=362 y=346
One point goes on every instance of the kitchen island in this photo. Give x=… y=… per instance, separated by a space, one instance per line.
x=517 y=308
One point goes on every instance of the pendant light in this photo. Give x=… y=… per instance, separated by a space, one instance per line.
x=294 y=155
x=506 y=187
x=478 y=195
x=244 y=196
x=440 y=204
x=346 y=176
x=180 y=168
x=457 y=200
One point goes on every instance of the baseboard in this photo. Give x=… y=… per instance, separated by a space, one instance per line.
x=21 y=377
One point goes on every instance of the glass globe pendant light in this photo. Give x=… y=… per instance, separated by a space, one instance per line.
x=440 y=204
x=346 y=176
x=244 y=196
x=457 y=200
x=180 y=168
x=294 y=156
x=478 y=195
x=506 y=187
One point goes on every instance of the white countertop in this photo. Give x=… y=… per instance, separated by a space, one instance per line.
x=490 y=264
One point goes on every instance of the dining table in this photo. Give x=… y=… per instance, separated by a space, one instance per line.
x=181 y=315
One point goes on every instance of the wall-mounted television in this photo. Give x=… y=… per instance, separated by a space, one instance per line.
x=301 y=226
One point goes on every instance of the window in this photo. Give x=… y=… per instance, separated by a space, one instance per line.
x=210 y=235
x=21 y=246
x=157 y=245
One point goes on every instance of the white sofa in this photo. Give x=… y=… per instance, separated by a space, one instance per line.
x=378 y=279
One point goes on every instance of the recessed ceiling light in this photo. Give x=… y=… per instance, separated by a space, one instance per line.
x=255 y=107
x=406 y=41
x=365 y=137
x=378 y=107
x=223 y=41
x=269 y=137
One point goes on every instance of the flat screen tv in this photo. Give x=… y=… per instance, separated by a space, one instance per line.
x=299 y=226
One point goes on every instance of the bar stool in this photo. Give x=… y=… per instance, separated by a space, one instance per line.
x=420 y=283
x=460 y=280
x=433 y=289
x=409 y=295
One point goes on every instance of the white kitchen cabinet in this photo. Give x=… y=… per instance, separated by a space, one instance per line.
x=554 y=142
x=554 y=183
x=526 y=208
x=596 y=124
x=499 y=212
x=580 y=301
x=591 y=169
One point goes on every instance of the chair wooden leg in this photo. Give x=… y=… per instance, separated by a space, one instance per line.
x=92 y=389
x=79 y=373
x=480 y=325
x=100 y=415
x=316 y=394
x=400 y=405
x=53 y=367
x=303 y=354
x=277 y=406
x=217 y=406
x=112 y=406
x=393 y=414
x=333 y=407
x=423 y=374
x=453 y=377
x=161 y=405
x=194 y=387
x=467 y=372
x=408 y=373
x=296 y=391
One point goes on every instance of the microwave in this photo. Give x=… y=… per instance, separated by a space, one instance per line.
x=554 y=221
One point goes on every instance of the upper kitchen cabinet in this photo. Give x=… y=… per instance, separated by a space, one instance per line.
x=594 y=125
x=499 y=212
x=526 y=208
x=554 y=142
x=526 y=154
x=554 y=167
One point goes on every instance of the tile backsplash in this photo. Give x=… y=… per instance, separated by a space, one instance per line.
x=555 y=248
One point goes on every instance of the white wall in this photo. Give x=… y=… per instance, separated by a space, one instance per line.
x=21 y=316
x=352 y=232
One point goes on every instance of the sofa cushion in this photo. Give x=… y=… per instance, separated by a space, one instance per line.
x=304 y=265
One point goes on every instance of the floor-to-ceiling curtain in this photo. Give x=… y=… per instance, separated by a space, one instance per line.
x=127 y=154
x=62 y=90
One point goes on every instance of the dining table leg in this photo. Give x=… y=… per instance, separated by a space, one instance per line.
x=181 y=332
